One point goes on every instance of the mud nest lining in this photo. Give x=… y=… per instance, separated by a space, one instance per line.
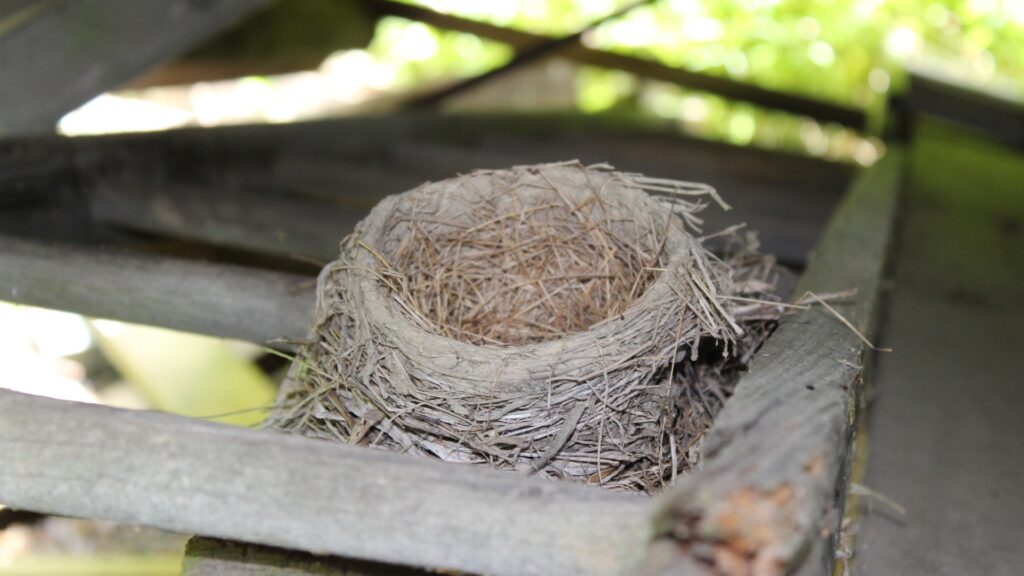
x=555 y=319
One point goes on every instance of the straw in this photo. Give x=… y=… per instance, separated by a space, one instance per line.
x=555 y=319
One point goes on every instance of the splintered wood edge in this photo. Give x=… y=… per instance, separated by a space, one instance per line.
x=769 y=497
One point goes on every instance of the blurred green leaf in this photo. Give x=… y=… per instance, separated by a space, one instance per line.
x=188 y=374
x=851 y=52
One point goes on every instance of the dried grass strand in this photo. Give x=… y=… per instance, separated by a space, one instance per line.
x=556 y=319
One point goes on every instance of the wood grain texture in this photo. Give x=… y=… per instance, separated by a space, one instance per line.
x=214 y=299
x=775 y=460
x=72 y=50
x=263 y=487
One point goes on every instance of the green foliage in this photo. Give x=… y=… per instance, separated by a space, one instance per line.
x=850 y=52
x=420 y=53
x=188 y=374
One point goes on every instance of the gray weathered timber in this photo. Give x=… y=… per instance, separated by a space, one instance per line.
x=311 y=225
x=266 y=223
x=69 y=51
x=776 y=458
x=999 y=115
x=945 y=426
x=263 y=487
x=228 y=185
x=214 y=557
x=214 y=299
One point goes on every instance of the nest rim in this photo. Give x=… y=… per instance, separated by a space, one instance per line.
x=675 y=251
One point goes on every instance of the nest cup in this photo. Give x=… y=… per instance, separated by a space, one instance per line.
x=530 y=319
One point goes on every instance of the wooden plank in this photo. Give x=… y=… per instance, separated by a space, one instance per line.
x=188 y=476
x=945 y=424
x=999 y=115
x=646 y=68
x=288 y=225
x=213 y=299
x=252 y=187
x=75 y=49
x=769 y=496
x=214 y=557
x=788 y=219
x=286 y=37
x=224 y=155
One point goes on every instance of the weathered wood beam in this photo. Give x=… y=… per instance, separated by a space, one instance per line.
x=215 y=557
x=267 y=223
x=226 y=154
x=288 y=36
x=296 y=190
x=214 y=299
x=71 y=50
x=646 y=68
x=789 y=220
x=264 y=487
x=999 y=115
x=769 y=496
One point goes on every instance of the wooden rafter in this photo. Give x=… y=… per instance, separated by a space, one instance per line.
x=68 y=51
x=214 y=299
x=777 y=456
x=296 y=190
x=191 y=476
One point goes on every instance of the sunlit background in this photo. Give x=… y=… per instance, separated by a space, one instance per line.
x=853 y=53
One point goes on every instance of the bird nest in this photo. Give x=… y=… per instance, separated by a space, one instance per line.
x=557 y=319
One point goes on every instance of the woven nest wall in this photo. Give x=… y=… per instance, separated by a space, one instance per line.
x=555 y=319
